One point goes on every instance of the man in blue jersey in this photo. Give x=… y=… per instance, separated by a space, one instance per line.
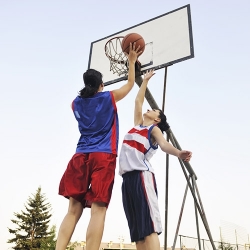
x=89 y=177
x=139 y=191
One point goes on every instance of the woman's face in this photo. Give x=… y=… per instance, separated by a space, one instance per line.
x=152 y=114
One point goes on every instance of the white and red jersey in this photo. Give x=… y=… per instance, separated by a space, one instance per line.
x=137 y=149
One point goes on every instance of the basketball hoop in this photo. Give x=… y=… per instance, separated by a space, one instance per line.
x=117 y=58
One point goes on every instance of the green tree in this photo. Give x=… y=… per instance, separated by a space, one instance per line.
x=72 y=245
x=32 y=225
x=225 y=246
x=49 y=243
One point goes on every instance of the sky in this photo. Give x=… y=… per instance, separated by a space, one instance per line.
x=44 y=49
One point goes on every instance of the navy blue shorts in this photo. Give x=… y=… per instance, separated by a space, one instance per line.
x=140 y=203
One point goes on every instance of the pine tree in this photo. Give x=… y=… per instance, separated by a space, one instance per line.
x=33 y=224
x=49 y=243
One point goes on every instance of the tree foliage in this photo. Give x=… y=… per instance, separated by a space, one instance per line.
x=49 y=242
x=225 y=246
x=73 y=245
x=32 y=224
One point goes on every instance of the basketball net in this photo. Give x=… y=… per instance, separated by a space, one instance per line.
x=117 y=58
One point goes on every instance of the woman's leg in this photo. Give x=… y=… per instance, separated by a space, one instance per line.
x=151 y=242
x=140 y=245
x=96 y=226
x=68 y=224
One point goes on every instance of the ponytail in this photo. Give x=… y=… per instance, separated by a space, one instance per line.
x=163 y=125
x=92 y=80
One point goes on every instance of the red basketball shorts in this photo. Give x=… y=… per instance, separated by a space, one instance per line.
x=89 y=178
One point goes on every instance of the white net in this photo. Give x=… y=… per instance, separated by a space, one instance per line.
x=118 y=60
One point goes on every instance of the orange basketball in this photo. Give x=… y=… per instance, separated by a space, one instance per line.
x=131 y=38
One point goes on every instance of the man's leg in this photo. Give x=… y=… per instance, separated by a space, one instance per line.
x=96 y=226
x=68 y=224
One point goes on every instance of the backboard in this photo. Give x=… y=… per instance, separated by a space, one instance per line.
x=168 y=39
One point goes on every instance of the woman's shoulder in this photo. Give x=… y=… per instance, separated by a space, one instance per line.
x=98 y=95
x=104 y=94
x=77 y=99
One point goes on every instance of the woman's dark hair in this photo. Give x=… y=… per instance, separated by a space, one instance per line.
x=92 y=80
x=163 y=125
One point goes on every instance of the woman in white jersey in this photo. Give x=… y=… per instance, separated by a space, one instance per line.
x=139 y=192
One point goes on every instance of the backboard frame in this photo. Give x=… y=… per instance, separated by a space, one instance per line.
x=162 y=65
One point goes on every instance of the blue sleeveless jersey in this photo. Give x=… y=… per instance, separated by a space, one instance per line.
x=97 y=122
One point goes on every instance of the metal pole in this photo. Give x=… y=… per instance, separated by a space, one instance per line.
x=196 y=217
x=166 y=201
x=167 y=170
x=203 y=212
x=164 y=89
x=180 y=217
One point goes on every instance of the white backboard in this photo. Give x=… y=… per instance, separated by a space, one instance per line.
x=168 y=39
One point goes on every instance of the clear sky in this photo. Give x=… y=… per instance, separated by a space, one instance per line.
x=44 y=49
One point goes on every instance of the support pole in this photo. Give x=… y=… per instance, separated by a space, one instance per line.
x=196 y=217
x=167 y=168
x=166 y=201
x=180 y=217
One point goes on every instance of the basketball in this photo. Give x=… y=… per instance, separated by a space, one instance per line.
x=131 y=38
